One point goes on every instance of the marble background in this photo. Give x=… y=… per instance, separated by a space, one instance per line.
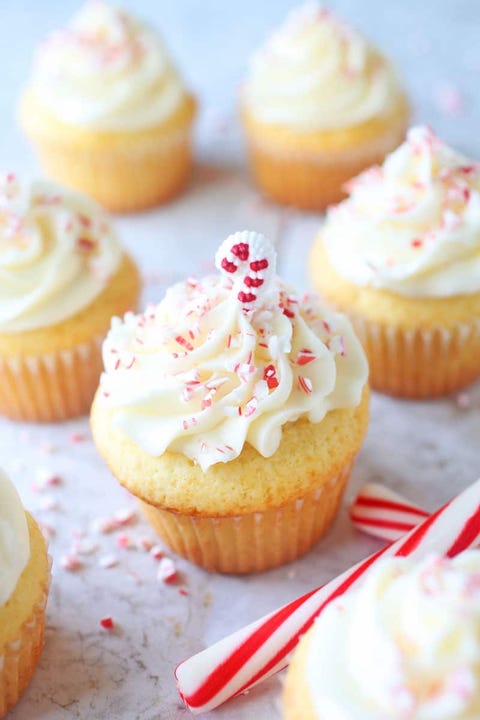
x=426 y=450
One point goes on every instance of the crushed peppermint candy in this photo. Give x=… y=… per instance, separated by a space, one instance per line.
x=167 y=571
x=107 y=623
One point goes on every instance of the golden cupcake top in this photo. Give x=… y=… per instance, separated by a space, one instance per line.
x=228 y=360
x=412 y=225
x=58 y=251
x=317 y=73
x=106 y=70
x=404 y=646
x=14 y=538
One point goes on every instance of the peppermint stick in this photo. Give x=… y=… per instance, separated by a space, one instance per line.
x=384 y=513
x=250 y=655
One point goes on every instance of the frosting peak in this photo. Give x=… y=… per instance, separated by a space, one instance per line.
x=412 y=225
x=404 y=646
x=228 y=360
x=14 y=538
x=316 y=73
x=57 y=252
x=106 y=70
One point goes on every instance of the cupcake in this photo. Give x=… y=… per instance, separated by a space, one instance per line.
x=234 y=410
x=24 y=581
x=320 y=105
x=63 y=275
x=405 y=645
x=108 y=113
x=401 y=256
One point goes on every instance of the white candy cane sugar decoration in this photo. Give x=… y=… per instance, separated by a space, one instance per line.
x=249 y=260
x=383 y=513
x=240 y=661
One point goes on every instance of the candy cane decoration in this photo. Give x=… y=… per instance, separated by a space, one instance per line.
x=383 y=513
x=240 y=661
x=249 y=259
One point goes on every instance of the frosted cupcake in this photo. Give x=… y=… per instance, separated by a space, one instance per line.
x=107 y=111
x=234 y=410
x=63 y=275
x=320 y=105
x=24 y=581
x=404 y=646
x=401 y=256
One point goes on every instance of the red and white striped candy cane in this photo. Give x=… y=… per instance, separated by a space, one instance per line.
x=240 y=661
x=248 y=259
x=384 y=513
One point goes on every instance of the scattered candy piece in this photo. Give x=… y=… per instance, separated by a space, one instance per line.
x=124 y=542
x=70 y=562
x=167 y=572
x=108 y=561
x=449 y=99
x=463 y=400
x=157 y=552
x=144 y=543
x=84 y=547
x=124 y=516
x=107 y=623
x=49 y=503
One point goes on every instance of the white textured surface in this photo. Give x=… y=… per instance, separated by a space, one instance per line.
x=428 y=450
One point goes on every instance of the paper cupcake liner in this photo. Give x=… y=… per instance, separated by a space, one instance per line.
x=51 y=387
x=138 y=175
x=255 y=541
x=420 y=363
x=312 y=181
x=19 y=658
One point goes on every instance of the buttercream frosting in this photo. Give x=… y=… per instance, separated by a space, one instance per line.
x=228 y=360
x=14 y=538
x=411 y=226
x=405 y=645
x=57 y=253
x=315 y=73
x=108 y=71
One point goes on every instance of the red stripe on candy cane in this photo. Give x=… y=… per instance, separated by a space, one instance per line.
x=252 y=654
x=389 y=505
x=383 y=513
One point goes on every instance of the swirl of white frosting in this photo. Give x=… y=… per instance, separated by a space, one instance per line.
x=404 y=646
x=107 y=71
x=315 y=73
x=229 y=360
x=14 y=538
x=411 y=226
x=57 y=253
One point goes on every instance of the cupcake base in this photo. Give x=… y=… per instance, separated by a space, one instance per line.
x=420 y=363
x=255 y=541
x=253 y=512
x=416 y=347
x=50 y=374
x=135 y=176
x=308 y=171
x=125 y=171
x=53 y=387
x=20 y=658
x=20 y=653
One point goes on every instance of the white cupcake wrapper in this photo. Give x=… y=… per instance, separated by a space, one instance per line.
x=53 y=386
x=19 y=659
x=420 y=363
x=255 y=541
